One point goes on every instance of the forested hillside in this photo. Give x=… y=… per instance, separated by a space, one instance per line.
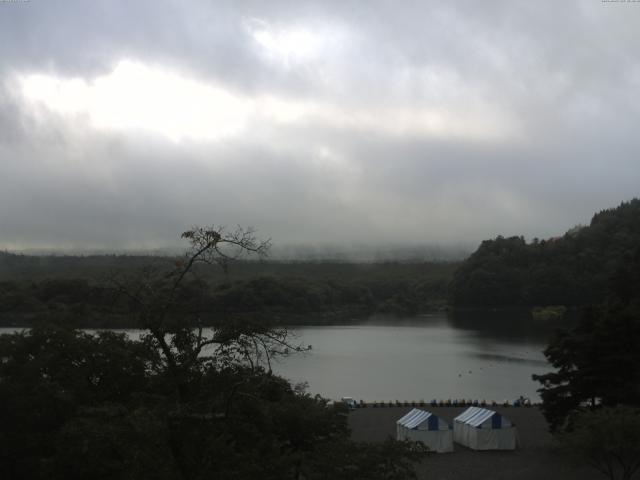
x=575 y=269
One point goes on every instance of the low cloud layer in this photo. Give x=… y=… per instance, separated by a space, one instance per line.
x=122 y=124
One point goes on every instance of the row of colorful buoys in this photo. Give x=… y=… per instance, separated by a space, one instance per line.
x=519 y=402
x=455 y=402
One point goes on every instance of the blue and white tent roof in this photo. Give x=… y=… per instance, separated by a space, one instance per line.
x=476 y=417
x=415 y=418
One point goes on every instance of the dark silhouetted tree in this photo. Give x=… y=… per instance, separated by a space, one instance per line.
x=608 y=439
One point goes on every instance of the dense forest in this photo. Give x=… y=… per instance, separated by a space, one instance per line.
x=85 y=288
x=576 y=269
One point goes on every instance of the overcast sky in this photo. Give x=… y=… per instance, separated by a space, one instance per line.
x=123 y=123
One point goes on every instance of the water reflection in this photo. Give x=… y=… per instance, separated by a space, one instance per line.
x=514 y=326
x=510 y=359
x=483 y=355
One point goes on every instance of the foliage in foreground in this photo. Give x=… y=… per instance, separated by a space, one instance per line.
x=598 y=361
x=608 y=439
x=592 y=400
x=75 y=406
x=181 y=402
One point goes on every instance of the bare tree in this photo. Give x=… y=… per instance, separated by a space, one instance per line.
x=174 y=324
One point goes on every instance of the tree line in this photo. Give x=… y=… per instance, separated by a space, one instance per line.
x=576 y=269
x=292 y=293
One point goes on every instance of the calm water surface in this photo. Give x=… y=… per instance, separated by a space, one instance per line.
x=473 y=355
x=489 y=356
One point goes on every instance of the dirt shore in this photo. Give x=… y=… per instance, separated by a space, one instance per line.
x=536 y=458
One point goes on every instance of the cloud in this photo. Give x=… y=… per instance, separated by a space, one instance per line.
x=316 y=122
x=136 y=97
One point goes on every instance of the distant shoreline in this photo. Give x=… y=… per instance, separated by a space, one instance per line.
x=347 y=316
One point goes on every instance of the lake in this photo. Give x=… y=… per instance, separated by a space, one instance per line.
x=477 y=355
x=488 y=356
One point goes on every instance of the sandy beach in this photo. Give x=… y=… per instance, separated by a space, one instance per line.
x=537 y=456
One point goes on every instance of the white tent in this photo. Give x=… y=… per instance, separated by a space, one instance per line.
x=482 y=429
x=418 y=425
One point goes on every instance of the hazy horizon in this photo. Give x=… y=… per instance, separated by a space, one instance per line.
x=357 y=253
